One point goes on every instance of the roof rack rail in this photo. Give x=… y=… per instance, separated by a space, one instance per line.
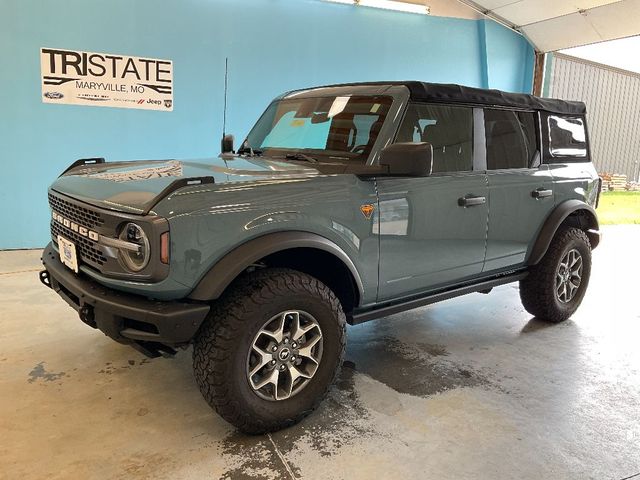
x=173 y=186
x=84 y=161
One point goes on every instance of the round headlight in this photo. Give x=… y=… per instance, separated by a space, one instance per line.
x=135 y=260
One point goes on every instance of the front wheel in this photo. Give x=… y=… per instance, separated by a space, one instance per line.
x=267 y=354
x=555 y=287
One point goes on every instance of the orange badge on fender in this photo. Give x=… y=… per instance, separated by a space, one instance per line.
x=367 y=210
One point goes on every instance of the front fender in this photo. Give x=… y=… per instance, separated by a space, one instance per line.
x=220 y=276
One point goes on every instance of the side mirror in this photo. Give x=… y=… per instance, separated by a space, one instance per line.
x=227 y=144
x=408 y=159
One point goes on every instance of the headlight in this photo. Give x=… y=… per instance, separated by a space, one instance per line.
x=132 y=260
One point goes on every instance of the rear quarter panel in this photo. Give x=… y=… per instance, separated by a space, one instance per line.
x=574 y=180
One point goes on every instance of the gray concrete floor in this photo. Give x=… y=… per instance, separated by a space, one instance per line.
x=469 y=388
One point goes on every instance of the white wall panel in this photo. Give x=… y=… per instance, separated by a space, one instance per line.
x=613 y=109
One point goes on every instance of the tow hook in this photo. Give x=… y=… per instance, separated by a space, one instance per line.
x=44 y=278
x=86 y=315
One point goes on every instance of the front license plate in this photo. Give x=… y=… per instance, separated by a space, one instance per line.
x=68 y=253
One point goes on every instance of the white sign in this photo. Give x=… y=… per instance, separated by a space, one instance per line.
x=106 y=80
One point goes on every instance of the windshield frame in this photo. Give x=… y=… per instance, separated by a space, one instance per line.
x=399 y=95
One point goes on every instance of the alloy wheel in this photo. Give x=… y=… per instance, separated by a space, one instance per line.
x=569 y=276
x=284 y=355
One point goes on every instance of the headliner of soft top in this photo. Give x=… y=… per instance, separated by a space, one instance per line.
x=452 y=93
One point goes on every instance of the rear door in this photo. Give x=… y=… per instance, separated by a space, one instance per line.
x=521 y=192
x=433 y=229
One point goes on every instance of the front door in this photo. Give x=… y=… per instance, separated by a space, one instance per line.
x=433 y=229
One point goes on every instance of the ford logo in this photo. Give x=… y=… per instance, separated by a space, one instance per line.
x=54 y=95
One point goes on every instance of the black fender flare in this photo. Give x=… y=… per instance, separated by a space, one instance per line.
x=224 y=271
x=556 y=218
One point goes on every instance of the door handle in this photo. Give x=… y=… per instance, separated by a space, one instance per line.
x=541 y=193
x=471 y=200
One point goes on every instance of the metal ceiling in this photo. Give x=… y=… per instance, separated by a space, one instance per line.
x=549 y=25
x=552 y=25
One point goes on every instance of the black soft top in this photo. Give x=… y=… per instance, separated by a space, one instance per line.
x=452 y=93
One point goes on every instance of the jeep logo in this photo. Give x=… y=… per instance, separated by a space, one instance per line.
x=154 y=102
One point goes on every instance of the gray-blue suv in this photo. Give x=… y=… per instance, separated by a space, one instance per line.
x=343 y=204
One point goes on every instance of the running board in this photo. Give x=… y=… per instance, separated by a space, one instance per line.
x=396 y=307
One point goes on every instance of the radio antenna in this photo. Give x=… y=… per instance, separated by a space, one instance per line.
x=224 y=112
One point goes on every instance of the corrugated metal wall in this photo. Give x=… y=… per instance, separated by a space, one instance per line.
x=613 y=109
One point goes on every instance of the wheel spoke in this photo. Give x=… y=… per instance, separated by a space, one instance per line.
x=296 y=373
x=272 y=379
x=278 y=333
x=264 y=359
x=576 y=260
x=297 y=331
x=306 y=351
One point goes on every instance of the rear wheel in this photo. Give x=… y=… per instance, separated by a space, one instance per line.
x=555 y=287
x=270 y=349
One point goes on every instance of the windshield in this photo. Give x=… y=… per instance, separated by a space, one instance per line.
x=327 y=128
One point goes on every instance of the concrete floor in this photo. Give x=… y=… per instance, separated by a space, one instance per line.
x=469 y=388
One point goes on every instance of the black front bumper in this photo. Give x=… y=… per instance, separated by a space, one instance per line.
x=132 y=319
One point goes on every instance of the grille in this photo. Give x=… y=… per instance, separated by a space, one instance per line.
x=83 y=216
x=87 y=249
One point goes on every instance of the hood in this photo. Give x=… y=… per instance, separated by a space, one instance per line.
x=136 y=186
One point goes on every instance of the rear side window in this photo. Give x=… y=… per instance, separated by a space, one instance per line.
x=448 y=129
x=511 y=139
x=567 y=137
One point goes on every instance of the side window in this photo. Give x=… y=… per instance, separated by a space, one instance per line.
x=566 y=136
x=448 y=129
x=511 y=139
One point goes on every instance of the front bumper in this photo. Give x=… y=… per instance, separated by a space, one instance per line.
x=146 y=324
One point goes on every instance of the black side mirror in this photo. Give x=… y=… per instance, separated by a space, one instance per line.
x=408 y=159
x=227 y=144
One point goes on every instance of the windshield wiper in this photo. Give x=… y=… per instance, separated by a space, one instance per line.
x=300 y=156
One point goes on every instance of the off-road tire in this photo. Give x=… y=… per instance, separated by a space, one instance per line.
x=538 y=289
x=223 y=342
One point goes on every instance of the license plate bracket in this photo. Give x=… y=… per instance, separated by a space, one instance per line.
x=68 y=255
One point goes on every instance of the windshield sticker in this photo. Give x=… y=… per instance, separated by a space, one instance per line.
x=169 y=169
x=106 y=80
x=298 y=122
x=375 y=108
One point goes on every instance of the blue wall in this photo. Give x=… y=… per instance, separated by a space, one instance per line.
x=272 y=45
x=501 y=48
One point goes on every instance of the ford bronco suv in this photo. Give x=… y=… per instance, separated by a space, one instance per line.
x=343 y=204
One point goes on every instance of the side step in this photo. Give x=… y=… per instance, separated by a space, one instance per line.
x=391 y=308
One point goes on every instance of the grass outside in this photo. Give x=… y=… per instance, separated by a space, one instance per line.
x=619 y=207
